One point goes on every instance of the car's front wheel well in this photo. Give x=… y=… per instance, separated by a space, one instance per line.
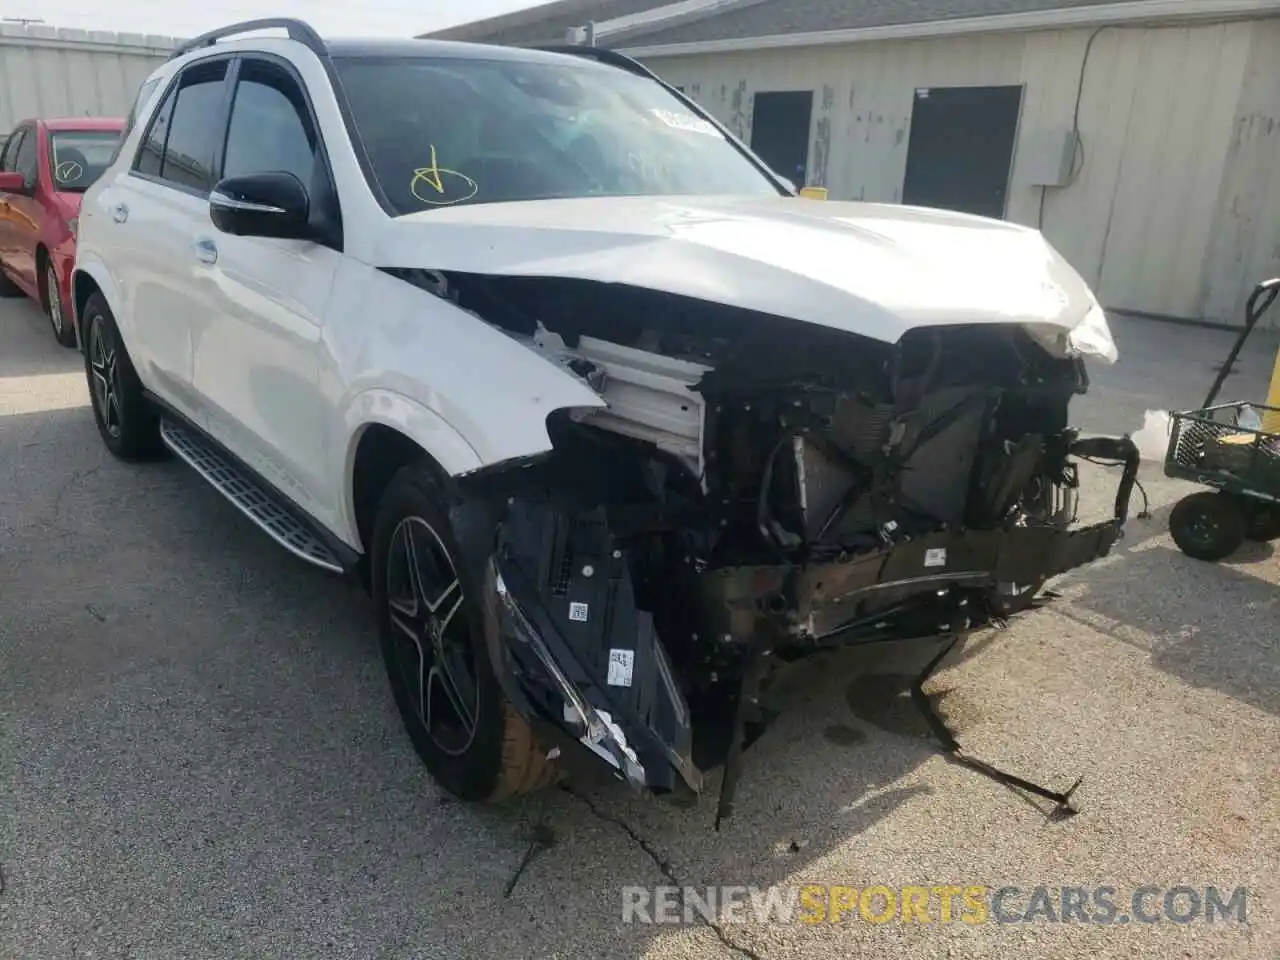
x=83 y=287
x=42 y=264
x=380 y=454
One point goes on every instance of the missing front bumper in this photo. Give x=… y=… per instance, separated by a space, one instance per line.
x=579 y=658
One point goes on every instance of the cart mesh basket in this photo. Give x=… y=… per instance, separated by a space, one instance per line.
x=1209 y=447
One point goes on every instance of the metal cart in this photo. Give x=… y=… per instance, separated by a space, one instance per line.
x=1239 y=458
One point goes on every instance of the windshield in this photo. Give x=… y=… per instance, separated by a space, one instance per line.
x=441 y=132
x=79 y=157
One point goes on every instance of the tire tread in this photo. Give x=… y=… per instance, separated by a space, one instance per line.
x=525 y=765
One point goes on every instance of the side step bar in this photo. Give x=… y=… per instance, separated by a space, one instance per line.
x=249 y=496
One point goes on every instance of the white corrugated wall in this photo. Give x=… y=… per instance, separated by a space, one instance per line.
x=52 y=72
x=1176 y=209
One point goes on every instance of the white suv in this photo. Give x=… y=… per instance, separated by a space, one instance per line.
x=610 y=422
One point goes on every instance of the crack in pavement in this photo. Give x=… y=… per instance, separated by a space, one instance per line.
x=664 y=867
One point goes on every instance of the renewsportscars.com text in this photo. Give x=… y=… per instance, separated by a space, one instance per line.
x=918 y=904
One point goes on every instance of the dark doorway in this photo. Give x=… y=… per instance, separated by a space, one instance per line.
x=780 y=132
x=961 y=148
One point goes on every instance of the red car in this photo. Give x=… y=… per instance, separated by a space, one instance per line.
x=45 y=168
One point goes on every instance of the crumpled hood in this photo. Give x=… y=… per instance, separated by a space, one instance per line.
x=872 y=269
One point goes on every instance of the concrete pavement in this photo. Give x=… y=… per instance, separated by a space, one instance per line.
x=199 y=756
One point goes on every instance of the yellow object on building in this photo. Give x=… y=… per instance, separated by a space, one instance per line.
x=813 y=193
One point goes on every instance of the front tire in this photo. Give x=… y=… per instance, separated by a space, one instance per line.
x=128 y=424
x=431 y=629
x=1208 y=526
x=64 y=330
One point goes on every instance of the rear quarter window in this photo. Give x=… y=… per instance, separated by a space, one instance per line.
x=139 y=104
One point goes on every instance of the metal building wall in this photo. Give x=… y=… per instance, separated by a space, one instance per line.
x=52 y=72
x=1176 y=123
x=1245 y=244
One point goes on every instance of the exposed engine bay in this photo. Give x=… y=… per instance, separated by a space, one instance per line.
x=756 y=490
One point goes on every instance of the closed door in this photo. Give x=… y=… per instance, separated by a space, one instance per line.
x=155 y=215
x=8 y=159
x=780 y=132
x=961 y=148
x=256 y=352
x=21 y=213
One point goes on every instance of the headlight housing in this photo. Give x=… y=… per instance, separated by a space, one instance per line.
x=1091 y=337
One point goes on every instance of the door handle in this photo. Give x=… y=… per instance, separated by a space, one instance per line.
x=120 y=213
x=206 y=250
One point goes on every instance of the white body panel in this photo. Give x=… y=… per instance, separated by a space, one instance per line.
x=256 y=354
x=868 y=269
x=466 y=392
x=153 y=263
x=287 y=352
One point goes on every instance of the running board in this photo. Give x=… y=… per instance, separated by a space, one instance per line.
x=249 y=496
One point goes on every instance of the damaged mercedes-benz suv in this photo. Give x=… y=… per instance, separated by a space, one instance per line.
x=610 y=422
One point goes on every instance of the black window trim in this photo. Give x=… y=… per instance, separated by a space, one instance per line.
x=275 y=60
x=131 y=121
x=174 y=82
x=14 y=140
x=32 y=132
x=322 y=151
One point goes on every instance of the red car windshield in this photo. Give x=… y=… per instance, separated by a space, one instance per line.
x=79 y=157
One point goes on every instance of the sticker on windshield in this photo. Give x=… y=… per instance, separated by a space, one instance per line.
x=686 y=121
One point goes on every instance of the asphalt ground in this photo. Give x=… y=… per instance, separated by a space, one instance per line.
x=199 y=756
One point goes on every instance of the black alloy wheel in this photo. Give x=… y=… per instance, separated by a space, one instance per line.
x=432 y=635
x=432 y=629
x=128 y=424
x=104 y=379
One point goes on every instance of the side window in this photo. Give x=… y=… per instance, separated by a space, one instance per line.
x=140 y=101
x=151 y=154
x=26 y=160
x=270 y=128
x=10 y=154
x=180 y=143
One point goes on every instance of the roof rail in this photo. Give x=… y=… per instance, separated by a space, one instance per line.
x=604 y=55
x=298 y=30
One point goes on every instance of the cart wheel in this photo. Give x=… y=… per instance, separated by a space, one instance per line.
x=1263 y=522
x=1208 y=526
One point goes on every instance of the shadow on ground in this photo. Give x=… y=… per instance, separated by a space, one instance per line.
x=199 y=746
x=203 y=724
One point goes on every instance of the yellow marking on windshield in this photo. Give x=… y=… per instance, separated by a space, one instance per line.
x=432 y=173
x=436 y=177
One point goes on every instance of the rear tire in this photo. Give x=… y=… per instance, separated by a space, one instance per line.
x=1208 y=526
x=64 y=330
x=128 y=424
x=1263 y=522
x=431 y=628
